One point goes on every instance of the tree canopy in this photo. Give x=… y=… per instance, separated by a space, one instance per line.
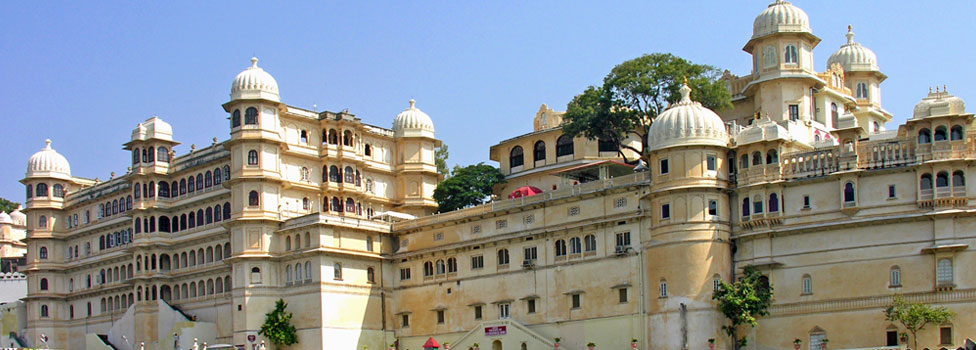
x=637 y=91
x=277 y=325
x=440 y=159
x=7 y=206
x=914 y=316
x=744 y=301
x=467 y=186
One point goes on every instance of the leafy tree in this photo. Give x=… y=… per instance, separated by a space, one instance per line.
x=7 y=206
x=914 y=316
x=277 y=325
x=744 y=301
x=637 y=91
x=440 y=159
x=467 y=186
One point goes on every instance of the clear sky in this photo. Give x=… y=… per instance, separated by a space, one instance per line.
x=85 y=73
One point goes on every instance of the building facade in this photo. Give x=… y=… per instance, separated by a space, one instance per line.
x=800 y=179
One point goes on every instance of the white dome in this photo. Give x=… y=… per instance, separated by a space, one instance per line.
x=939 y=103
x=48 y=163
x=254 y=83
x=780 y=17
x=687 y=123
x=153 y=128
x=19 y=218
x=413 y=122
x=5 y=218
x=854 y=57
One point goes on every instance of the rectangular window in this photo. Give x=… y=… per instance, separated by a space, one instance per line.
x=664 y=166
x=891 y=191
x=945 y=335
x=710 y=163
x=477 y=312
x=477 y=262
x=712 y=208
x=806 y=202
x=503 y=310
x=816 y=341
x=404 y=320
x=794 y=112
x=530 y=306
x=576 y=301
x=891 y=338
x=666 y=211
x=622 y=295
x=440 y=316
x=757 y=207
x=623 y=239
x=530 y=254
x=405 y=273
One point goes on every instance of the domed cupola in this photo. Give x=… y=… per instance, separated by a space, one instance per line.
x=254 y=83
x=687 y=123
x=5 y=218
x=48 y=163
x=413 y=122
x=153 y=128
x=18 y=217
x=853 y=57
x=939 y=103
x=780 y=17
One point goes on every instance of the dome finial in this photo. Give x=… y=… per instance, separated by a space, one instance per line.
x=47 y=144
x=850 y=34
x=254 y=62
x=685 y=91
x=412 y=103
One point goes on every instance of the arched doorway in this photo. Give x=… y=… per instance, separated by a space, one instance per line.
x=496 y=345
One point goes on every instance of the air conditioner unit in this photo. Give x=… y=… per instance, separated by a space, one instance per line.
x=528 y=263
x=621 y=250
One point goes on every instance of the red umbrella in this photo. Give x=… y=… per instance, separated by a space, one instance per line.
x=524 y=191
x=431 y=344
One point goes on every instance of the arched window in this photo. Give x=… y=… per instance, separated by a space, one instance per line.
x=943 y=271
x=451 y=265
x=539 y=151
x=42 y=222
x=251 y=116
x=369 y=243
x=942 y=179
x=162 y=154
x=564 y=146
x=305 y=174
x=41 y=190
x=303 y=136
x=370 y=275
x=745 y=207
x=849 y=192
x=308 y=240
x=589 y=243
x=807 y=284
x=744 y=162
x=235 y=119
x=956 y=133
x=428 y=269
x=772 y=157
x=44 y=312
x=337 y=271
x=924 y=136
x=663 y=289
x=42 y=253
x=135 y=156
x=834 y=115
x=350 y=175
x=336 y=204
x=350 y=205
x=207 y=180
x=191 y=184
x=347 y=138
x=252 y=157
x=226 y=210
x=894 y=277
x=940 y=133
x=209 y=216
x=152 y=155
x=115 y=203
x=790 y=54
x=30 y=191
x=862 y=90
x=716 y=283
x=128 y=203
x=958 y=180
x=773 y=203
x=216 y=176
x=58 y=191
x=925 y=182
x=199 y=182
x=368 y=150
x=334 y=174
x=757 y=158
x=226 y=172
x=192 y=218
x=256 y=275
x=252 y=198
x=333 y=137
x=875 y=127
x=575 y=246
x=288 y=274
x=44 y=284
x=515 y=157
x=164 y=189
x=503 y=257
x=359 y=181
x=560 y=247
x=439 y=265
x=306 y=204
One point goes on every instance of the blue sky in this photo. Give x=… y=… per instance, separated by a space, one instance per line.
x=85 y=73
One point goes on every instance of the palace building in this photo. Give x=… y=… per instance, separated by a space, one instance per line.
x=801 y=179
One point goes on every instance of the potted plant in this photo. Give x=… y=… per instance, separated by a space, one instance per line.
x=633 y=343
x=447 y=346
x=796 y=343
x=392 y=346
x=823 y=344
x=903 y=337
x=476 y=347
x=590 y=345
x=555 y=343
x=711 y=343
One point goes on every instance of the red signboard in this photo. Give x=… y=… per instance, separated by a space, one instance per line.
x=251 y=338
x=497 y=330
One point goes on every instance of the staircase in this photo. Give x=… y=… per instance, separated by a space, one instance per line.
x=514 y=331
x=104 y=339
x=20 y=340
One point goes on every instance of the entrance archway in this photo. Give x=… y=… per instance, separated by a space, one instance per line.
x=496 y=345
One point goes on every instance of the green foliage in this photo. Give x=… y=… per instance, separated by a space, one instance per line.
x=467 y=186
x=637 y=91
x=744 y=301
x=277 y=325
x=7 y=206
x=440 y=159
x=914 y=316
